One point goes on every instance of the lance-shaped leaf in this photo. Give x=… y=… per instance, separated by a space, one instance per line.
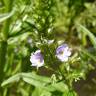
x=38 y=81
x=88 y=33
x=5 y=16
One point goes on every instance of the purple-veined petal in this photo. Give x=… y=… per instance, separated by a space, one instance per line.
x=63 y=52
x=37 y=59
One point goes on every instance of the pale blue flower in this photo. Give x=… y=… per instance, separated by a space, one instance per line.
x=36 y=59
x=63 y=52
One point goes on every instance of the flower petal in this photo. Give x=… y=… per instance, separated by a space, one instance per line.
x=37 y=59
x=63 y=52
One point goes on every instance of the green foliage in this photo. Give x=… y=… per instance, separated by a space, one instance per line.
x=28 y=25
x=5 y=16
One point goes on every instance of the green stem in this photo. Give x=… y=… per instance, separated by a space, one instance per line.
x=6 y=25
x=3 y=49
x=3 y=42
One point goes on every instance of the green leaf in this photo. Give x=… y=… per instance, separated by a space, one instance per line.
x=88 y=54
x=19 y=38
x=88 y=33
x=58 y=86
x=44 y=82
x=5 y=16
x=70 y=93
x=40 y=92
x=37 y=77
x=12 y=79
x=37 y=81
x=30 y=78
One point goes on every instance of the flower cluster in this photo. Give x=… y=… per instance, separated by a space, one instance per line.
x=62 y=53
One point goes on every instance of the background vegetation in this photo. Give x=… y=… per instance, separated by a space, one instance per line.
x=27 y=25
